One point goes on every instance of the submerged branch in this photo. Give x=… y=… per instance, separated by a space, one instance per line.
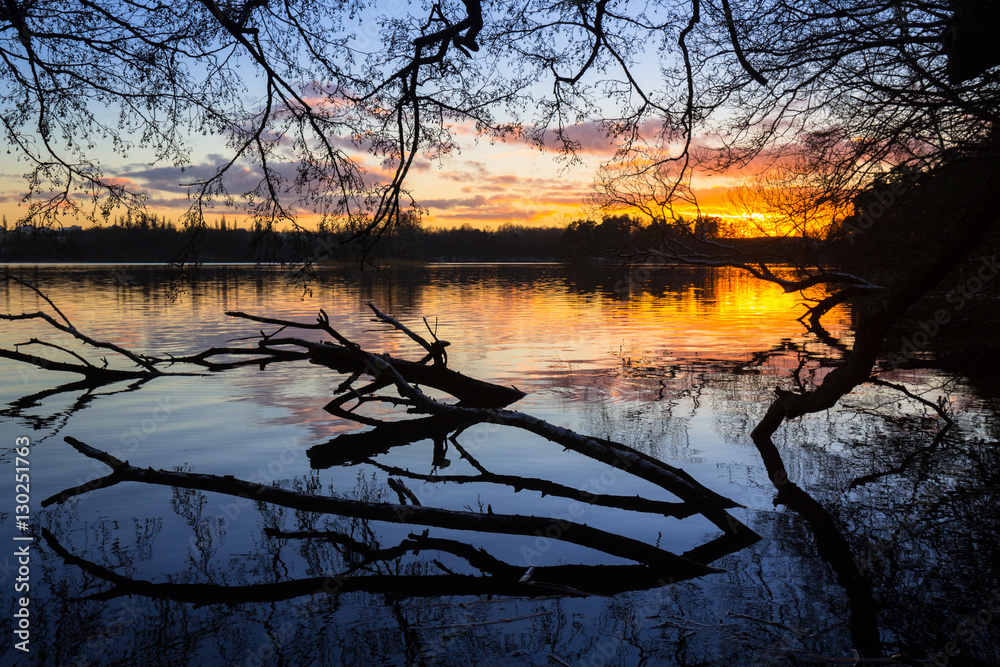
x=579 y=534
x=94 y=375
x=499 y=580
x=855 y=369
x=76 y=333
x=547 y=488
x=833 y=548
x=478 y=402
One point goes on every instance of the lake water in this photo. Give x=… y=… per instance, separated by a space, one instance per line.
x=677 y=363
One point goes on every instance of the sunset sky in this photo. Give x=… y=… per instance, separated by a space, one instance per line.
x=483 y=185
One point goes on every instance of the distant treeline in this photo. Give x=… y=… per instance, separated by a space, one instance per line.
x=154 y=239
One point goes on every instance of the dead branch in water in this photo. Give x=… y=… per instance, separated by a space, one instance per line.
x=405 y=376
x=497 y=578
x=510 y=524
x=347 y=357
x=435 y=350
x=399 y=383
x=66 y=326
x=343 y=356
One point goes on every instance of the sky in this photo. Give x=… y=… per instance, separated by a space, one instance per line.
x=483 y=185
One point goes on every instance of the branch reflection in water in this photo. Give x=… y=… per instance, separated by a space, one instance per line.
x=662 y=371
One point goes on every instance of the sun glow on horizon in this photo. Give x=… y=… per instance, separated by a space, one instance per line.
x=488 y=185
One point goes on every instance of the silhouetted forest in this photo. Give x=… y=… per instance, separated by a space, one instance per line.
x=887 y=230
x=156 y=239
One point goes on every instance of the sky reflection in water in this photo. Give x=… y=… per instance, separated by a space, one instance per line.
x=680 y=365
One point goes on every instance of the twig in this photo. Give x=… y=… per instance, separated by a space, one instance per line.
x=432 y=332
x=435 y=350
x=67 y=327
x=10 y=276
x=271 y=320
x=900 y=388
x=549 y=488
x=442 y=567
x=35 y=341
x=73 y=331
x=469 y=457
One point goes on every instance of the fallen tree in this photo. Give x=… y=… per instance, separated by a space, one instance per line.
x=343 y=356
x=384 y=379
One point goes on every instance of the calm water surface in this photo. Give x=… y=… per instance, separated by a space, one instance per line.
x=678 y=363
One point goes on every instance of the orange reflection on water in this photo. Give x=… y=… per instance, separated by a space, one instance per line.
x=510 y=324
x=544 y=307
